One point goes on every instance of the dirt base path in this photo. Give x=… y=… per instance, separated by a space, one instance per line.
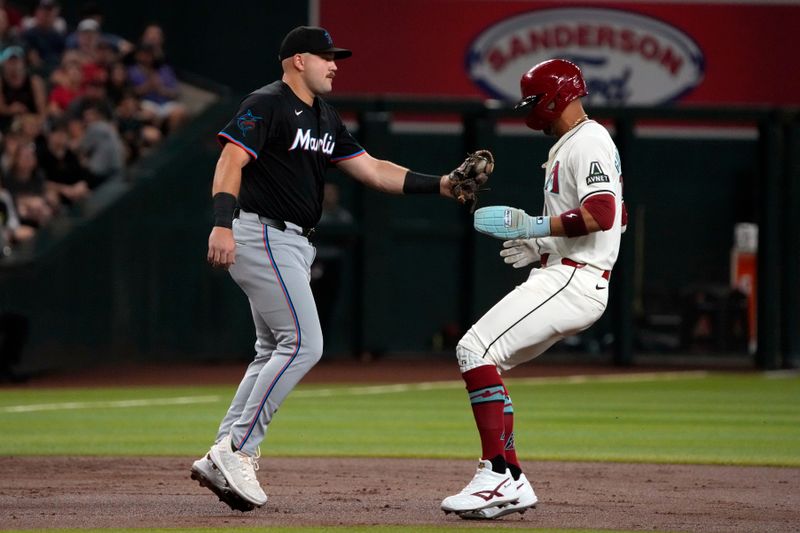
x=61 y=492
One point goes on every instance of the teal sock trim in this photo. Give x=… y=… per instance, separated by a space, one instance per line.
x=495 y=393
x=508 y=408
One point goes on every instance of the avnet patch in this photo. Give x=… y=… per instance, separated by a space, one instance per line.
x=596 y=174
x=597 y=178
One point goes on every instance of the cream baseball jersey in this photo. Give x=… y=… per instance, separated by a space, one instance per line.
x=583 y=163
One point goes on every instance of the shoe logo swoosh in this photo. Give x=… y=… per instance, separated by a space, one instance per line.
x=599 y=287
x=489 y=494
x=297 y=113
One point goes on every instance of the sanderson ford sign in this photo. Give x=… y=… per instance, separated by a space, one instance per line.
x=625 y=58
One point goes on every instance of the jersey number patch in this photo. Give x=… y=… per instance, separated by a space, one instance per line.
x=551 y=185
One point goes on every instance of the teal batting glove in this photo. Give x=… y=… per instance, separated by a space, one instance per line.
x=503 y=222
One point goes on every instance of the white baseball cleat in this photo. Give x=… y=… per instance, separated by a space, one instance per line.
x=209 y=476
x=487 y=489
x=527 y=500
x=239 y=470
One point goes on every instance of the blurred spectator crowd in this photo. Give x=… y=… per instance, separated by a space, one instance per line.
x=77 y=104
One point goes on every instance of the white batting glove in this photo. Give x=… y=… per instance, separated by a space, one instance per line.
x=520 y=252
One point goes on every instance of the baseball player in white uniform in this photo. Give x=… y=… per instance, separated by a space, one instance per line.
x=577 y=241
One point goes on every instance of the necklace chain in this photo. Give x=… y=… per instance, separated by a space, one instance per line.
x=580 y=119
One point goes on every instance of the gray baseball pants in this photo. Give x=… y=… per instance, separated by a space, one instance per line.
x=273 y=269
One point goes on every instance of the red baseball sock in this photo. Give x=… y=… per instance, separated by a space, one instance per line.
x=487 y=396
x=510 y=448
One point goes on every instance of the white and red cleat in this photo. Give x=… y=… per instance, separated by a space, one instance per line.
x=526 y=500
x=487 y=489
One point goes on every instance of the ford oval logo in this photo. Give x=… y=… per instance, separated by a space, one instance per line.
x=625 y=58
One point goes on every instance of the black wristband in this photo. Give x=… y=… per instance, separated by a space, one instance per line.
x=224 y=206
x=416 y=183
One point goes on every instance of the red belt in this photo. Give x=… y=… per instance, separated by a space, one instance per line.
x=569 y=262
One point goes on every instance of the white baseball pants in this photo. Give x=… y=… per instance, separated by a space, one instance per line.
x=555 y=302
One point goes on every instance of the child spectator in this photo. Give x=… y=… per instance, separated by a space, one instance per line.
x=157 y=86
x=20 y=91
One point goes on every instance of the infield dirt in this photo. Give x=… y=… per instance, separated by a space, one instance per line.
x=82 y=492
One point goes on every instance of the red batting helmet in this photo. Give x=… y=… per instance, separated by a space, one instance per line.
x=547 y=88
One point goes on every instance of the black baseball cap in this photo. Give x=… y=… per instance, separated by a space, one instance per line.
x=310 y=39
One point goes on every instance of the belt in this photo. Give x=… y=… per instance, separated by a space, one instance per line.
x=605 y=274
x=281 y=225
x=275 y=223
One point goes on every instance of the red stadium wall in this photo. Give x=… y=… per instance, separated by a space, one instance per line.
x=634 y=53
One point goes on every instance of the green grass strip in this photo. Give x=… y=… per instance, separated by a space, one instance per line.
x=751 y=419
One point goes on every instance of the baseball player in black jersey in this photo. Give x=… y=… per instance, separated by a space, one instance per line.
x=267 y=195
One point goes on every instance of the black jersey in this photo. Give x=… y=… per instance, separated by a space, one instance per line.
x=291 y=145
